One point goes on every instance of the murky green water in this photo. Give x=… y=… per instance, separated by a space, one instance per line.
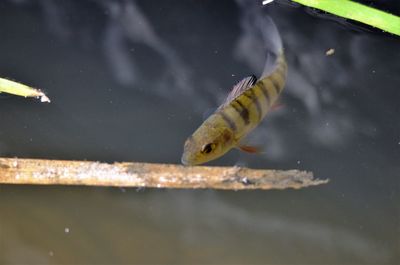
x=130 y=80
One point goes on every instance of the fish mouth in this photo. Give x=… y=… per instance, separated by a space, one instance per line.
x=184 y=161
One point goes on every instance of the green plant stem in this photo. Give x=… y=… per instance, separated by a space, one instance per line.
x=358 y=12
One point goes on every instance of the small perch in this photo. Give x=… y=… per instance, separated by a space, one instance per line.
x=126 y=174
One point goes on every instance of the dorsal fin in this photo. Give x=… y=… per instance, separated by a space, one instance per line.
x=239 y=88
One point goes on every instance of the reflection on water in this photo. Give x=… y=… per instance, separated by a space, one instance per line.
x=191 y=225
x=129 y=77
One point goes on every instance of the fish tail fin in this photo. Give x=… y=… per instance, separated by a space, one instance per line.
x=273 y=45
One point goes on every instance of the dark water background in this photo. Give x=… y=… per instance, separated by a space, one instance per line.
x=130 y=80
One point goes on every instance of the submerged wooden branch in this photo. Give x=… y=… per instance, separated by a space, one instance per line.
x=60 y=172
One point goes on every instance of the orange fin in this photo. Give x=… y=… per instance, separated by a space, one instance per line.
x=250 y=149
x=277 y=106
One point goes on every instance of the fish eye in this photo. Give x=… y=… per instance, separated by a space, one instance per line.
x=207 y=148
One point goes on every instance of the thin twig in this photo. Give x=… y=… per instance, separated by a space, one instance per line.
x=18 y=89
x=127 y=174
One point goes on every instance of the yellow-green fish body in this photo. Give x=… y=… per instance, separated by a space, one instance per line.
x=248 y=109
x=244 y=109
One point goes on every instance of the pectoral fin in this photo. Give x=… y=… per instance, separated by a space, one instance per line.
x=277 y=106
x=250 y=149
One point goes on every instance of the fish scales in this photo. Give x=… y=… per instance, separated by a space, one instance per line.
x=249 y=108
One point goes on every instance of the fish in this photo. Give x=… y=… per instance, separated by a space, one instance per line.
x=243 y=110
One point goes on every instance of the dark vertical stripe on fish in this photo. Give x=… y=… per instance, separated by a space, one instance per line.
x=264 y=90
x=244 y=113
x=253 y=97
x=275 y=84
x=228 y=120
x=238 y=109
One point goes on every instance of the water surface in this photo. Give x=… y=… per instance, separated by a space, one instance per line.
x=130 y=80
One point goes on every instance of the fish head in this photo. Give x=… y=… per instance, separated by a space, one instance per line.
x=207 y=143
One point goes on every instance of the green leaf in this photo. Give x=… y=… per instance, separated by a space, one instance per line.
x=358 y=12
x=11 y=87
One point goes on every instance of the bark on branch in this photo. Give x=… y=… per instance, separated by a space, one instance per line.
x=131 y=174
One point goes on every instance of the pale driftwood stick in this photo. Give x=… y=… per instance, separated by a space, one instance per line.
x=61 y=172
